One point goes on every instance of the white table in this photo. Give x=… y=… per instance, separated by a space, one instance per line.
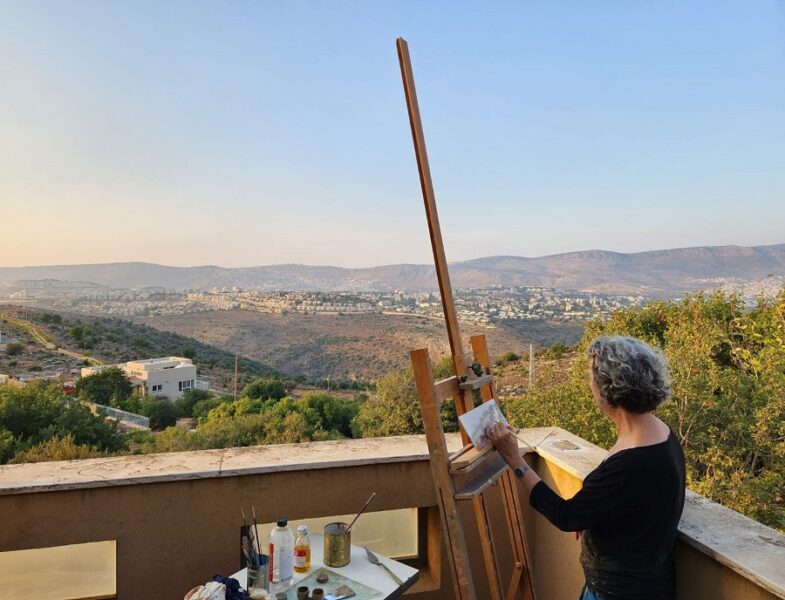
x=359 y=569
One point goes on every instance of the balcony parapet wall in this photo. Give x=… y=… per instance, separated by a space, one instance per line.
x=209 y=464
x=721 y=554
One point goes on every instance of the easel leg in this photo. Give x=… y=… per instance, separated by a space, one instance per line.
x=445 y=490
x=509 y=492
x=488 y=547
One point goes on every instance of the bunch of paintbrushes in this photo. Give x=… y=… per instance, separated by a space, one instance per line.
x=249 y=542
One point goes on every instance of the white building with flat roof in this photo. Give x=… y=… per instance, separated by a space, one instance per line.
x=167 y=377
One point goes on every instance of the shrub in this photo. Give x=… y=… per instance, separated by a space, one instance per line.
x=162 y=413
x=264 y=389
x=14 y=348
x=58 y=448
x=185 y=403
x=507 y=358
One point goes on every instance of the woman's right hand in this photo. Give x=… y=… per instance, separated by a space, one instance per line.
x=503 y=438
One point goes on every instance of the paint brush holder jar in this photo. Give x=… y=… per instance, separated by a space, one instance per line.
x=257 y=575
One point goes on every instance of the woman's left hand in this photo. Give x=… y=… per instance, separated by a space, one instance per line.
x=503 y=438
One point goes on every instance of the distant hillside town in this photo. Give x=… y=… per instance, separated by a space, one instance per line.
x=486 y=305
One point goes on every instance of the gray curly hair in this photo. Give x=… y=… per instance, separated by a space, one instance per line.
x=629 y=373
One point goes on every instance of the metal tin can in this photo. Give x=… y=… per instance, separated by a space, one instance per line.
x=337 y=545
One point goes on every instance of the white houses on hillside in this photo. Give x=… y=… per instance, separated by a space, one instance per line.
x=165 y=377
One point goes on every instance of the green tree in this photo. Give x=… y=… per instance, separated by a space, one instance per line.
x=7 y=446
x=326 y=416
x=264 y=389
x=77 y=332
x=87 y=429
x=202 y=407
x=109 y=386
x=185 y=403
x=395 y=408
x=38 y=412
x=162 y=413
x=189 y=352
x=27 y=411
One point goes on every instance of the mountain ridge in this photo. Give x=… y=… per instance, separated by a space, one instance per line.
x=667 y=271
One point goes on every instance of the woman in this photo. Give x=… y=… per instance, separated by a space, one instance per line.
x=630 y=505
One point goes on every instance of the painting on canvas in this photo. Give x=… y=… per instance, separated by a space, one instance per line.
x=477 y=420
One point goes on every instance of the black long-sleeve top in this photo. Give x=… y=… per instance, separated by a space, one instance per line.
x=628 y=509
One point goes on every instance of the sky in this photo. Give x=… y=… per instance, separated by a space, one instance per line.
x=257 y=132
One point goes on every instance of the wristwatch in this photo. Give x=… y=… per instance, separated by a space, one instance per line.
x=521 y=471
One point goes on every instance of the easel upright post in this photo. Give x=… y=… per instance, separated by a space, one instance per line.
x=463 y=402
x=472 y=475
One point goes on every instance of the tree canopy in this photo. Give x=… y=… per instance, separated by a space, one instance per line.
x=110 y=387
x=265 y=389
x=38 y=413
x=727 y=366
x=395 y=408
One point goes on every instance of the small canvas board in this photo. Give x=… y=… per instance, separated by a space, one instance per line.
x=477 y=420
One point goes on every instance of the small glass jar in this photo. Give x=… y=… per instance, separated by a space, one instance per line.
x=257 y=576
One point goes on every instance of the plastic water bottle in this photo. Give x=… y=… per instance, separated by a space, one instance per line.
x=281 y=567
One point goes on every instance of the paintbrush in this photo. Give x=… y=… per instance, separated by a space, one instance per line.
x=525 y=443
x=256 y=530
x=248 y=551
x=362 y=510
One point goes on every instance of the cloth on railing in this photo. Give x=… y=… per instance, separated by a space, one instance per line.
x=210 y=591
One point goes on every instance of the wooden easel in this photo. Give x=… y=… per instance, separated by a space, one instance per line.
x=469 y=473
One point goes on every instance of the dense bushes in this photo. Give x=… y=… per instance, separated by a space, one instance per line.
x=395 y=408
x=265 y=389
x=728 y=409
x=38 y=413
x=58 y=448
x=249 y=421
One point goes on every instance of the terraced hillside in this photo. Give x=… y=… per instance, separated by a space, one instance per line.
x=68 y=341
x=364 y=347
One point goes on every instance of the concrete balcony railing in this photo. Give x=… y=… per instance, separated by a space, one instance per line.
x=160 y=524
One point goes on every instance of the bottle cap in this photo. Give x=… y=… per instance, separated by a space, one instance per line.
x=282 y=522
x=302 y=529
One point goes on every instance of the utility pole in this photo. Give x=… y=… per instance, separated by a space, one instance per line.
x=531 y=366
x=236 y=364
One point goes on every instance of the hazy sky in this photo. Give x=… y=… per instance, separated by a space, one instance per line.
x=251 y=132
